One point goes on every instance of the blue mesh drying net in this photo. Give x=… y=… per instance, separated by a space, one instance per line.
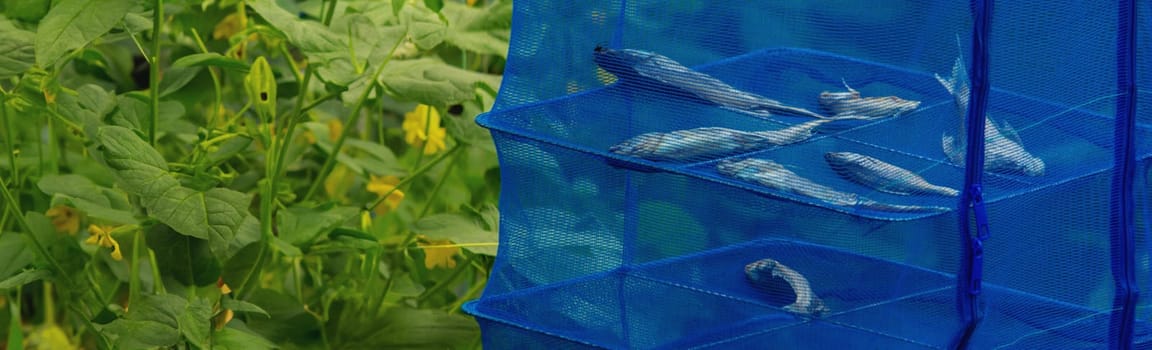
x=823 y=174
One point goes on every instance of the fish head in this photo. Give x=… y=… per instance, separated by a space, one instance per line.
x=841 y=157
x=643 y=145
x=619 y=62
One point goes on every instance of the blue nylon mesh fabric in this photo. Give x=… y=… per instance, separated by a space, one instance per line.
x=604 y=248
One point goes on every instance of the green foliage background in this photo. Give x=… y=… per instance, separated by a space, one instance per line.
x=227 y=147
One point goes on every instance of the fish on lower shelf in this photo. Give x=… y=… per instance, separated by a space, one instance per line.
x=710 y=142
x=649 y=68
x=773 y=175
x=760 y=273
x=1003 y=150
x=851 y=104
x=882 y=176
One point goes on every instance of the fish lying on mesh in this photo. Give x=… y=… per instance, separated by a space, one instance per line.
x=773 y=175
x=761 y=272
x=1003 y=150
x=656 y=71
x=710 y=142
x=882 y=176
x=842 y=104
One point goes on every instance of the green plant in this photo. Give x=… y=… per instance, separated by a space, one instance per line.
x=246 y=174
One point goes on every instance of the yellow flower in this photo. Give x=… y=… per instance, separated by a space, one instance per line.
x=422 y=129
x=224 y=289
x=223 y=318
x=435 y=254
x=102 y=236
x=381 y=185
x=335 y=129
x=338 y=182
x=229 y=26
x=65 y=219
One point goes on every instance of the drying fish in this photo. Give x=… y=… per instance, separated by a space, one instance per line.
x=882 y=176
x=762 y=271
x=773 y=175
x=656 y=71
x=710 y=142
x=842 y=104
x=1003 y=150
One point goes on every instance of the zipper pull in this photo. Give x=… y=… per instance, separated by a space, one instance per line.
x=977 y=242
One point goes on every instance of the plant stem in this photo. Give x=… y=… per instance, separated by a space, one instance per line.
x=216 y=114
x=353 y=118
x=444 y=284
x=330 y=13
x=157 y=283
x=414 y=175
x=439 y=184
x=10 y=140
x=154 y=70
x=134 y=270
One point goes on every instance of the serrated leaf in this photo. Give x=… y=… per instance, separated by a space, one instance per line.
x=235 y=339
x=430 y=81
x=17 y=50
x=216 y=215
x=136 y=334
x=211 y=59
x=23 y=278
x=72 y=24
x=461 y=229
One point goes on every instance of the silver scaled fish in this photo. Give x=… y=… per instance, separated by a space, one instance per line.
x=1003 y=150
x=884 y=177
x=761 y=271
x=773 y=175
x=845 y=104
x=655 y=71
x=710 y=142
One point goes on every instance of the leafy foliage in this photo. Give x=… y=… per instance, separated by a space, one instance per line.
x=246 y=174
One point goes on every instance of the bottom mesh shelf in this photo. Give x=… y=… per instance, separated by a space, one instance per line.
x=704 y=301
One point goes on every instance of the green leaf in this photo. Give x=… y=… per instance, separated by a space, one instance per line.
x=434 y=5
x=176 y=78
x=75 y=186
x=373 y=158
x=182 y=258
x=26 y=10
x=300 y=226
x=324 y=48
x=484 y=31
x=103 y=212
x=396 y=6
x=160 y=320
x=243 y=306
x=425 y=28
x=461 y=229
x=17 y=52
x=430 y=81
x=71 y=24
x=216 y=215
x=87 y=106
x=211 y=59
x=25 y=277
x=234 y=339
x=15 y=328
x=289 y=320
x=136 y=334
x=426 y=329
x=236 y=269
x=15 y=254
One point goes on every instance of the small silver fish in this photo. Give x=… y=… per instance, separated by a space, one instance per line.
x=773 y=175
x=761 y=271
x=655 y=70
x=844 y=104
x=882 y=176
x=710 y=142
x=1003 y=150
